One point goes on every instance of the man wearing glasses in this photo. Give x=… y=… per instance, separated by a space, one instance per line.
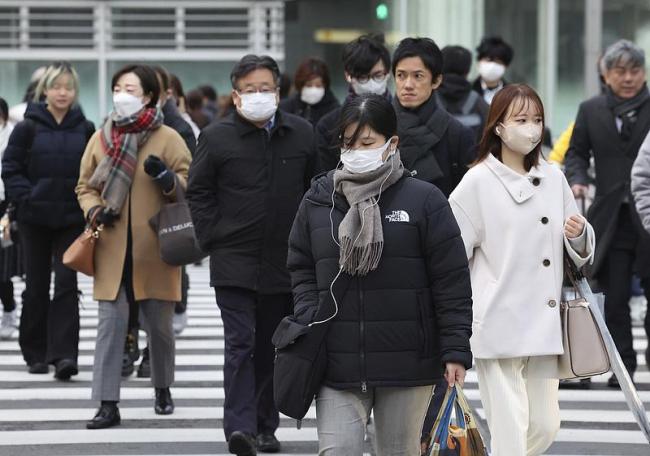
x=366 y=63
x=248 y=176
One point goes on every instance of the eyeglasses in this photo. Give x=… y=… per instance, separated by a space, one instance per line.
x=252 y=90
x=377 y=77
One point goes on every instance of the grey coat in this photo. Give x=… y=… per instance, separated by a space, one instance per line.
x=641 y=183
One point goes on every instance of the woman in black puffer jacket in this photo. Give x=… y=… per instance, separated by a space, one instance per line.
x=401 y=299
x=40 y=169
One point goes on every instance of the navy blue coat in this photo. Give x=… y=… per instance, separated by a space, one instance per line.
x=40 y=166
x=402 y=322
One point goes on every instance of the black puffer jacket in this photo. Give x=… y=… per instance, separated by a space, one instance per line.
x=40 y=167
x=312 y=113
x=398 y=325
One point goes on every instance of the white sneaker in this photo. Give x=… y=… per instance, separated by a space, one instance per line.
x=8 y=324
x=180 y=322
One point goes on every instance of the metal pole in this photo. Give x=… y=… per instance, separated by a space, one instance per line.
x=101 y=38
x=547 y=52
x=593 y=45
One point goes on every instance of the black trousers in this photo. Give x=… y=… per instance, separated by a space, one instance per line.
x=616 y=282
x=7 y=296
x=249 y=320
x=49 y=328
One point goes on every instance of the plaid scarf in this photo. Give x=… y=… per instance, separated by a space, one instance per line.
x=122 y=138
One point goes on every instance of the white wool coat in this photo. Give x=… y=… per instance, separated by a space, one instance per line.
x=513 y=229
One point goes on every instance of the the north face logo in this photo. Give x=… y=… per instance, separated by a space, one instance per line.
x=398 y=216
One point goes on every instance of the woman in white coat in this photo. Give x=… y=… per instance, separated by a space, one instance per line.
x=517 y=217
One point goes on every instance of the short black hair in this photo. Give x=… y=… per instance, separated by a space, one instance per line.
x=208 y=92
x=148 y=80
x=163 y=74
x=4 y=109
x=493 y=47
x=456 y=60
x=371 y=110
x=252 y=62
x=360 y=55
x=425 y=48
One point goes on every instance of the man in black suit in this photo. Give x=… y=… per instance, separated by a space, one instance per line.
x=610 y=128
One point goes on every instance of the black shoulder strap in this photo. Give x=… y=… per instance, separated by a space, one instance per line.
x=470 y=103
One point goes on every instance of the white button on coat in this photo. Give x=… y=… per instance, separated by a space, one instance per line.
x=500 y=215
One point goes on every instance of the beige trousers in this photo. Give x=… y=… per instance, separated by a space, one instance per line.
x=521 y=403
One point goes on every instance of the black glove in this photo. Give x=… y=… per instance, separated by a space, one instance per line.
x=159 y=172
x=105 y=216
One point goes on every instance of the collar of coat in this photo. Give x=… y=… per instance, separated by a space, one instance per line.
x=245 y=127
x=519 y=186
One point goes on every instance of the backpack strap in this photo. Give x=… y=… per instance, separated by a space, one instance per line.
x=470 y=103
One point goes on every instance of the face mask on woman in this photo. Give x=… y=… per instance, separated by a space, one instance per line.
x=312 y=95
x=491 y=71
x=258 y=106
x=126 y=105
x=359 y=161
x=520 y=138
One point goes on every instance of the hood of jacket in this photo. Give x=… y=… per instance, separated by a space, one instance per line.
x=454 y=87
x=39 y=113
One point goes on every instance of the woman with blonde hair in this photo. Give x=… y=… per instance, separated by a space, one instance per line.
x=517 y=217
x=40 y=168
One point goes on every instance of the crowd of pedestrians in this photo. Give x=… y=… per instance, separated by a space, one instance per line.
x=405 y=221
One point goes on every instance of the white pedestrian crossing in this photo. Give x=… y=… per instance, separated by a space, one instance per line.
x=42 y=416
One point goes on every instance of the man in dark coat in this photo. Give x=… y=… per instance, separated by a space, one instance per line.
x=494 y=57
x=366 y=63
x=435 y=147
x=455 y=94
x=610 y=129
x=246 y=181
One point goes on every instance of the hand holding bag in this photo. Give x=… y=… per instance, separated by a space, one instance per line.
x=80 y=256
x=585 y=354
x=176 y=237
x=456 y=438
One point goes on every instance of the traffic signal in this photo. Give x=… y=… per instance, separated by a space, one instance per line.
x=382 y=11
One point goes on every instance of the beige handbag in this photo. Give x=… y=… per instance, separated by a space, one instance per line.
x=585 y=354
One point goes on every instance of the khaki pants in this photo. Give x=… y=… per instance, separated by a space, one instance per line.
x=520 y=399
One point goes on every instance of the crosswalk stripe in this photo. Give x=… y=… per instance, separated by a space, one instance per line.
x=39 y=415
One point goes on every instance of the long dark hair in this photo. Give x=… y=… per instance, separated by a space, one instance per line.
x=520 y=96
x=371 y=110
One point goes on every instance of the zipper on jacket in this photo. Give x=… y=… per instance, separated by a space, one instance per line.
x=362 y=339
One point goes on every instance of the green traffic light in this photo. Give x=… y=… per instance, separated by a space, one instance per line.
x=382 y=11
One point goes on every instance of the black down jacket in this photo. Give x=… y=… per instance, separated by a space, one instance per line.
x=244 y=188
x=312 y=113
x=40 y=167
x=398 y=325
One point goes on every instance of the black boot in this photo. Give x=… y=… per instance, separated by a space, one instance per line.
x=164 y=404
x=107 y=416
x=242 y=444
x=65 y=368
x=144 y=370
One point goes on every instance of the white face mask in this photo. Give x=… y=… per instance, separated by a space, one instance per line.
x=370 y=86
x=520 y=138
x=312 y=95
x=359 y=161
x=125 y=104
x=491 y=71
x=258 y=106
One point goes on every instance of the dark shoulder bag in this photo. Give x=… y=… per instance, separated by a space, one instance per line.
x=176 y=236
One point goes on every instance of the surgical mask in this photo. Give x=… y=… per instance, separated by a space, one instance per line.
x=125 y=104
x=491 y=71
x=370 y=86
x=312 y=95
x=258 y=106
x=359 y=161
x=521 y=138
